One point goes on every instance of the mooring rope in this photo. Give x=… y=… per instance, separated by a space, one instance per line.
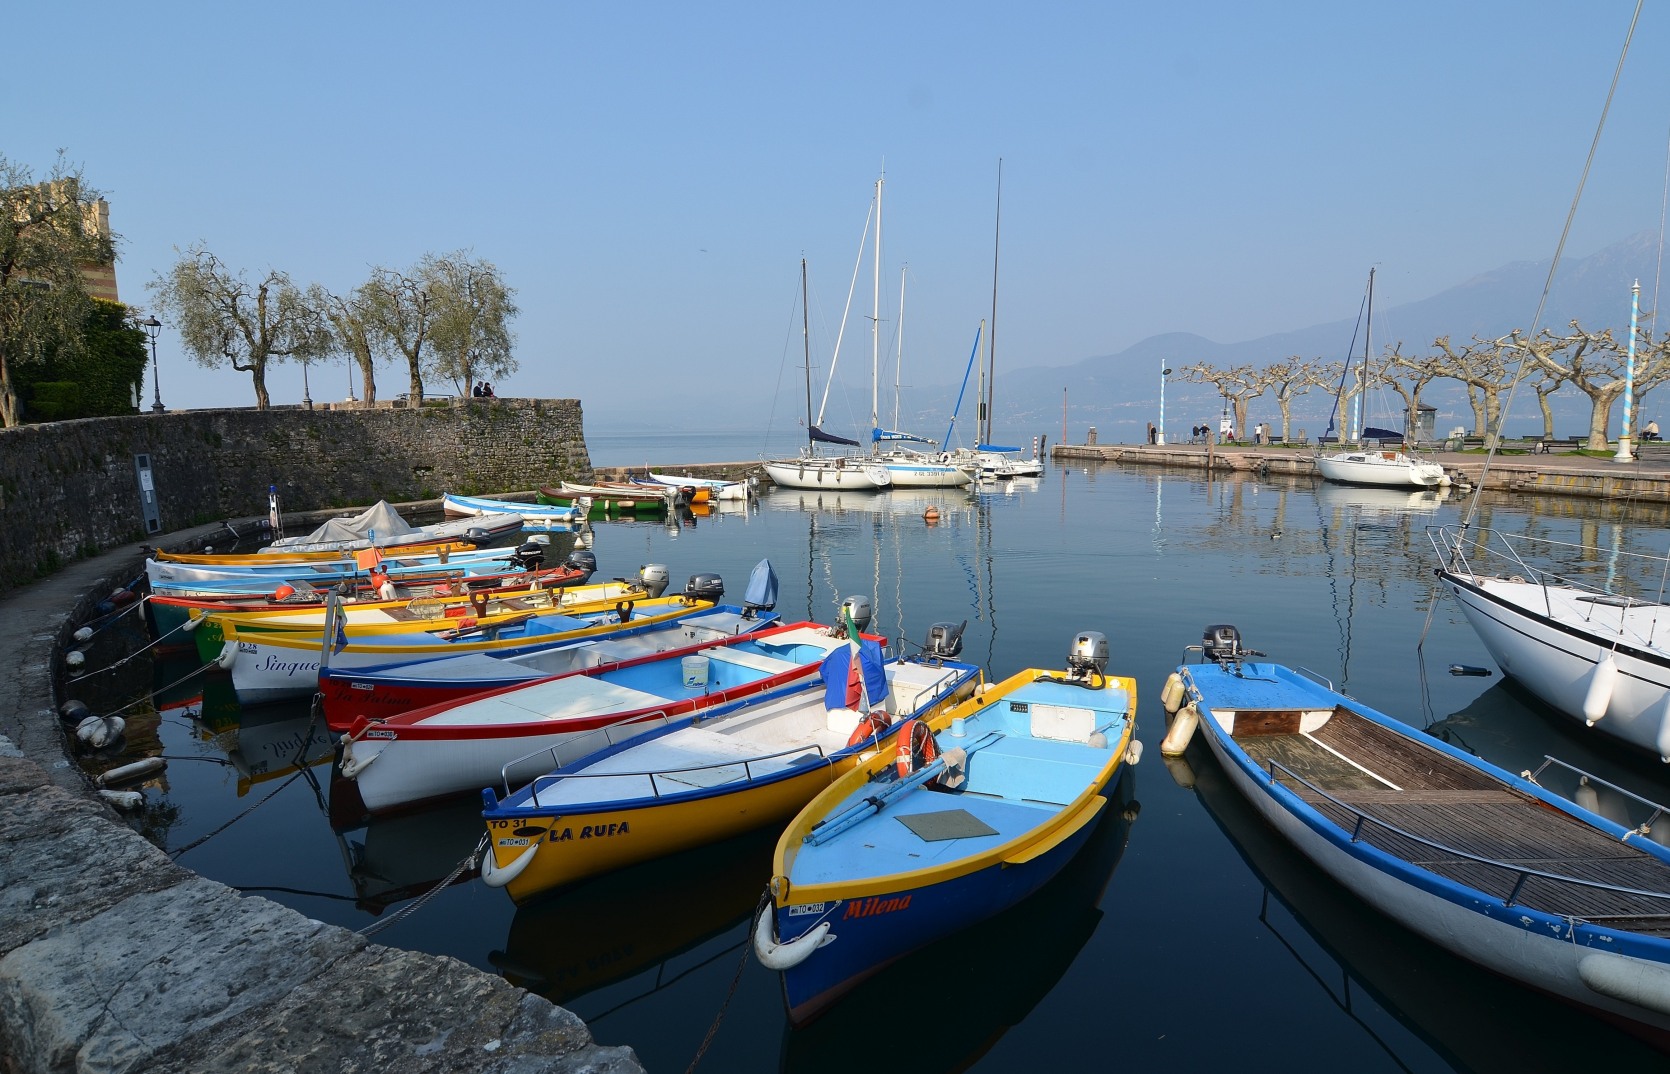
x=412 y=907
x=736 y=979
x=195 y=843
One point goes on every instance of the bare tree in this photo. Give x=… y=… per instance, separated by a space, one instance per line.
x=48 y=231
x=1594 y=365
x=1239 y=385
x=224 y=320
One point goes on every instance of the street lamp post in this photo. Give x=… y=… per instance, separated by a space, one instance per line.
x=153 y=328
x=1160 y=434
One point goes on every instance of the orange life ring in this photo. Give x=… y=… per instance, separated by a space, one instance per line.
x=873 y=724
x=915 y=750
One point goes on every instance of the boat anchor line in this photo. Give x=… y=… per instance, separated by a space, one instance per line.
x=188 y=626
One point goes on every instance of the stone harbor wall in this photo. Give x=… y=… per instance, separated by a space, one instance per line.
x=73 y=489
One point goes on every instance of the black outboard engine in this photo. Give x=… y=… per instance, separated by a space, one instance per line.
x=1087 y=657
x=654 y=578
x=582 y=559
x=857 y=611
x=529 y=556
x=945 y=641
x=1222 y=644
x=708 y=587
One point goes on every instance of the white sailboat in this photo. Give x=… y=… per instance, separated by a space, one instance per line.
x=1389 y=467
x=812 y=469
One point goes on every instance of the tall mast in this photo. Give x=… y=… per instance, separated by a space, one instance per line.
x=899 y=359
x=806 y=350
x=1362 y=386
x=875 y=320
x=991 y=346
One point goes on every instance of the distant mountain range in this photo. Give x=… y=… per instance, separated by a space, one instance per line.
x=1119 y=393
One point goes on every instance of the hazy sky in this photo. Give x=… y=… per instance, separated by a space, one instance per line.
x=648 y=176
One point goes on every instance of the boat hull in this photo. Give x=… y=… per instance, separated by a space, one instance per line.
x=1386 y=469
x=854 y=475
x=1553 y=646
x=1578 y=961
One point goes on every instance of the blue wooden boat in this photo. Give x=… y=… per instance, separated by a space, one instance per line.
x=1483 y=863
x=906 y=849
x=536 y=518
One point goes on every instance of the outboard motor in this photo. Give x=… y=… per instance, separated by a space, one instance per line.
x=708 y=587
x=584 y=560
x=528 y=556
x=945 y=641
x=761 y=594
x=1222 y=644
x=857 y=611
x=654 y=578
x=478 y=536
x=1087 y=657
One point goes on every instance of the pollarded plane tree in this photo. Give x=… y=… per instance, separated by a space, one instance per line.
x=1239 y=385
x=48 y=231
x=1417 y=374
x=225 y=320
x=1291 y=378
x=1486 y=368
x=1595 y=364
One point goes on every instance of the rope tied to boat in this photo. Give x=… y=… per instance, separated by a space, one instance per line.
x=736 y=978
x=141 y=651
x=470 y=862
x=195 y=843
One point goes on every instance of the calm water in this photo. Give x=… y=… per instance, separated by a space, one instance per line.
x=1186 y=937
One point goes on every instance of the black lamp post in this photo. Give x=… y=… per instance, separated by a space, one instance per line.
x=152 y=328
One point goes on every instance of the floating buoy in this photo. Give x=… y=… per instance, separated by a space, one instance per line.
x=931 y=515
x=284 y=592
x=1172 y=694
x=126 y=801
x=1599 y=695
x=74 y=659
x=1468 y=669
x=1182 y=729
x=97 y=732
x=74 y=711
x=136 y=770
x=83 y=634
x=122 y=597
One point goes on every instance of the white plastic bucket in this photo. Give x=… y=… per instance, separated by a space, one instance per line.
x=695 y=672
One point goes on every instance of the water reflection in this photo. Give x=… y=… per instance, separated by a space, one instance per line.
x=400 y=856
x=1368 y=967
x=649 y=924
x=993 y=974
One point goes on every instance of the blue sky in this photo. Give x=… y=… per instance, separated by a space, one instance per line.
x=648 y=176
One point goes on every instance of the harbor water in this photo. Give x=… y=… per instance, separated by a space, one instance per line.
x=1185 y=937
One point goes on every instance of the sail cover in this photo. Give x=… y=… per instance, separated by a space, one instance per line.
x=994 y=447
x=821 y=437
x=878 y=435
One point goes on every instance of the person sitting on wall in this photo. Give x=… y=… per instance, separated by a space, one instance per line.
x=1651 y=431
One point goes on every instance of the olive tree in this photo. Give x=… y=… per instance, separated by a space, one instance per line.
x=472 y=337
x=224 y=320
x=48 y=231
x=400 y=309
x=353 y=328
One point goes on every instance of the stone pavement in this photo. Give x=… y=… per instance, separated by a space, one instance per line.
x=114 y=958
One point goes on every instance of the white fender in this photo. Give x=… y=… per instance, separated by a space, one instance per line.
x=1644 y=984
x=351 y=765
x=1133 y=752
x=1182 y=729
x=228 y=655
x=1601 y=682
x=785 y=956
x=1661 y=713
x=193 y=623
x=1172 y=695
x=1586 y=796
x=495 y=877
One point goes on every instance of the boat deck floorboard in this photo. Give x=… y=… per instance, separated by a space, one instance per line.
x=1367 y=770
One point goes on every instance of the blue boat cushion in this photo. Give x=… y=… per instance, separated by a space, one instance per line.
x=946 y=824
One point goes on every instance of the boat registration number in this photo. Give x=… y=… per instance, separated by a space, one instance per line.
x=808 y=908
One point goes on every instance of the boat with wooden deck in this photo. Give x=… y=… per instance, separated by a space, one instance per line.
x=635 y=793
x=976 y=809
x=1484 y=863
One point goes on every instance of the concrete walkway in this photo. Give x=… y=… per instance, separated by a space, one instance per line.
x=113 y=958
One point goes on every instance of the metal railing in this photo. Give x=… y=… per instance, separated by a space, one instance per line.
x=1457 y=552
x=1644 y=828
x=1521 y=873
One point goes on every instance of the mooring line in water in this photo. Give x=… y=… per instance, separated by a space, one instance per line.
x=411 y=908
x=195 y=843
x=150 y=695
x=141 y=651
x=736 y=979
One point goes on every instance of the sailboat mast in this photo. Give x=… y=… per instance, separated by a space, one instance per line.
x=1362 y=384
x=806 y=350
x=875 y=321
x=991 y=346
